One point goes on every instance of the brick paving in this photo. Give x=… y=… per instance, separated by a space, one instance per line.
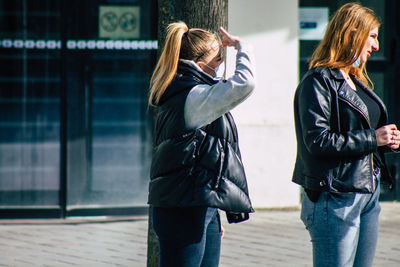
x=269 y=238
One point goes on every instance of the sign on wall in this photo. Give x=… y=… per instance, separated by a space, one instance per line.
x=312 y=22
x=119 y=22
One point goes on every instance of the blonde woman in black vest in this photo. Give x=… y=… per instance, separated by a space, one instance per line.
x=196 y=167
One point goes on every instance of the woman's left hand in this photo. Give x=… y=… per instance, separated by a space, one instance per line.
x=222 y=232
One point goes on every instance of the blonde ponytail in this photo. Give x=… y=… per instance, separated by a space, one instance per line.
x=168 y=63
x=196 y=45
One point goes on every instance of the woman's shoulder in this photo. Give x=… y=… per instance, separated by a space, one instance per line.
x=322 y=73
x=327 y=72
x=320 y=79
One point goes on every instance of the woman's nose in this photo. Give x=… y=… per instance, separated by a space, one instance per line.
x=375 y=46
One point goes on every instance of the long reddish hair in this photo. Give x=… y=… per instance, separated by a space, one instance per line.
x=344 y=39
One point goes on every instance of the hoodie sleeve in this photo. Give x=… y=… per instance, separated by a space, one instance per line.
x=206 y=103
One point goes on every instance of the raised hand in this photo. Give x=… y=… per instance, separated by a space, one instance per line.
x=229 y=40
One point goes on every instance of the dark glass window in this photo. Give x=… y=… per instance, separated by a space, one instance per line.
x=75 y=131
x=29 y=105
x=109 y=127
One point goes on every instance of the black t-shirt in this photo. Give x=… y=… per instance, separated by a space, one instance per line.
x=374 y=116
x=373 y=107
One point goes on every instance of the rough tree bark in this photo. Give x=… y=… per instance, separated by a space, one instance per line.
x=205 y=14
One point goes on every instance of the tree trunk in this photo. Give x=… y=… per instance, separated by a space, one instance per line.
x=205 y=14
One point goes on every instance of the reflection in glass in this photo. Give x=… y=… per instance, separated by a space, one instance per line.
x=29 y=106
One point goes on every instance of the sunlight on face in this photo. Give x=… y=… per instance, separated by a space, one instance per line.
x=372 y=44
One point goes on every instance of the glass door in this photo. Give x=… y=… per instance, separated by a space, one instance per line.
x=111 y=53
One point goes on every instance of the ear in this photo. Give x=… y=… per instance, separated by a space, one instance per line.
x=350 y=43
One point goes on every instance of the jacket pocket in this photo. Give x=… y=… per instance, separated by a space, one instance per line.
x=353 y=175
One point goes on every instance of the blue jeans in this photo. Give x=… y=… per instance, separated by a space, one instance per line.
x=343 y=227
x=188 y=237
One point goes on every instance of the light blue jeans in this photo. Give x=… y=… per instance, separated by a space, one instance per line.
x=343 y=228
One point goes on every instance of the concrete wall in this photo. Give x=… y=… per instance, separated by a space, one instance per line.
x=265 y=119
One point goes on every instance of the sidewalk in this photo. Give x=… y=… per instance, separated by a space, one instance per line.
x=269 y=238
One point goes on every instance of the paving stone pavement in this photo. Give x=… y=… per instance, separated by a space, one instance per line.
x=269 y=238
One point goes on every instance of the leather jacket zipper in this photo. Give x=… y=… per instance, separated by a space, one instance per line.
x=367 y=120
x=373 y=178
x=359 y=110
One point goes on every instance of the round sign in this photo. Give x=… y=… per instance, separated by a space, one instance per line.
x=128 y=22
x=109 y=21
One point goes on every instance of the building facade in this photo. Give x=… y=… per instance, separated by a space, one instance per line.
x=75 y=129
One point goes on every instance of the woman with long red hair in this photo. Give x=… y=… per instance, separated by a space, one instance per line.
x=342 y=133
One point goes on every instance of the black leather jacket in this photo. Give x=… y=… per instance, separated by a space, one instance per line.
x=200 y=167
x=335 y=141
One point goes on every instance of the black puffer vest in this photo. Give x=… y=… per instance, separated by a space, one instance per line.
x=199 y=167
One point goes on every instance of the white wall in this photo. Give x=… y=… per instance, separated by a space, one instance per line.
x=265 y=119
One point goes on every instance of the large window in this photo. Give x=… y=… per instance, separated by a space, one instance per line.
x=75 y=131
x=30 y=87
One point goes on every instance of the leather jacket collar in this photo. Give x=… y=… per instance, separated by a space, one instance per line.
x=347 y=94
